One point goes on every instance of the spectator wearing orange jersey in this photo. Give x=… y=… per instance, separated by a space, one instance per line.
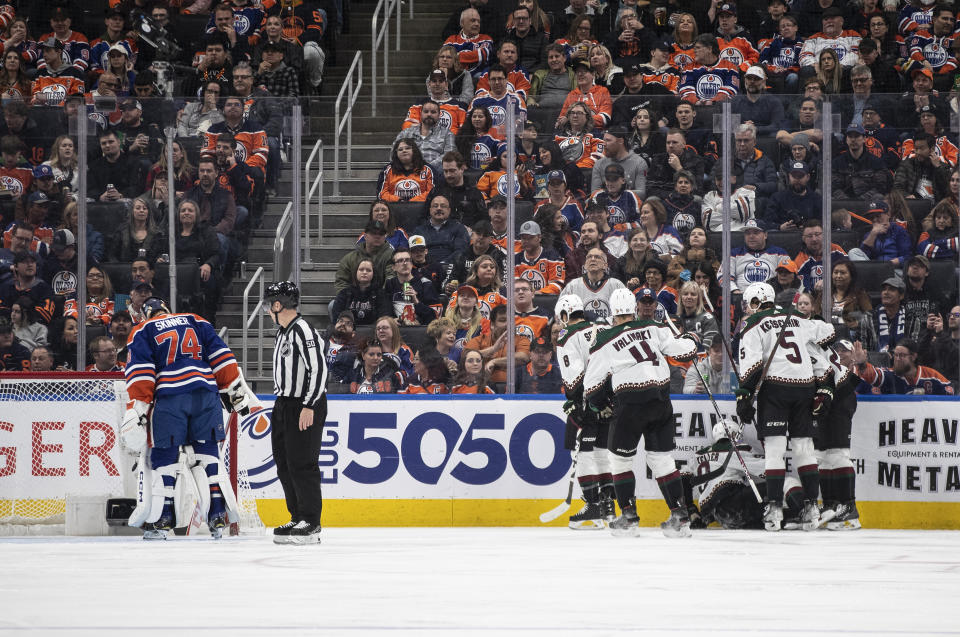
x=597 y=97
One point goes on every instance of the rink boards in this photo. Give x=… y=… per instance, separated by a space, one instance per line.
x=487 y=461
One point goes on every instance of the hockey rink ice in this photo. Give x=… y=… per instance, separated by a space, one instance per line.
x=480 y=581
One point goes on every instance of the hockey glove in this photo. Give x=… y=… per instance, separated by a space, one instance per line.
x=822 y=401
x=745 y=408
x=133 y=430
x=239 y=398
x=606 y=413
x=569 y=407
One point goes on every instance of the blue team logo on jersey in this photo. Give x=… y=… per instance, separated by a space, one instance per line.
x=817 y=272
x=757 y=271
x=660 y=313
x=708 y=86
x=261 y=471
x=498 y=114
x=502 y=185
x=480 y=155
x=935 y=54
x=617 y=215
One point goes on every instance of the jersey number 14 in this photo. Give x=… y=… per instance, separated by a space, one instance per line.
x=645 y=356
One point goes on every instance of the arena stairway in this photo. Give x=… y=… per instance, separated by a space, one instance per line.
x=372 y=136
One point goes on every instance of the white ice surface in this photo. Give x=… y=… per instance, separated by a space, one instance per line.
x=513 y=581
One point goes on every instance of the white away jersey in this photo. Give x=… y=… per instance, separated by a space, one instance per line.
x=792 y=363
x=573 y=350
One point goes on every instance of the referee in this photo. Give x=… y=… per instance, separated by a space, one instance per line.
x=299 y=378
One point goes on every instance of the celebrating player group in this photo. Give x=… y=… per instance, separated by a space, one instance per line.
x=792 y=387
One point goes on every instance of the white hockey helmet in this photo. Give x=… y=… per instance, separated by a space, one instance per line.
x=622 y=302
x=735 y=428
x=760 y=293
x=566 y=306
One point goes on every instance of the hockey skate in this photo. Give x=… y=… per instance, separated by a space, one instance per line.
x=678 y=524
x=827 y=512
x=772 y=516
x=627 y=525
x=810 y=517
x=847 y=518
x=217 y=518
x=281 y=534
x=590 y=518
x=161 y=528
x=608 y=508
x=304 y=533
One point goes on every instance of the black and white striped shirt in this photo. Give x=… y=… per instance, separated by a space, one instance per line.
x=299 y=370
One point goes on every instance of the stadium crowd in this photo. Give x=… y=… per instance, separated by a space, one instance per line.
x=619 y=181
x=220 y=77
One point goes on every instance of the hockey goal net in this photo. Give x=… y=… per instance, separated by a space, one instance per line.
x=59 y=439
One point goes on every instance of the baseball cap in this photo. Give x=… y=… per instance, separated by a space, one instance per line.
x=467 y=289
x=542 y=344
x=483 y=228
x=832 y=12
x=926 y=108
x=789 y=266
x=582 y=64
x=375 y=226
x=919 y=259
x=894 y=282
x=800 y=167
x=727 y=7
x=661 y=45
x=417 y=241
x=531 y=228
x=756 y=71
x=63 y=239
x=844 y=344
x=52 y=43
x=271 y=46
x=122 y=314
x=59 y=13
x=871 y=106
x=922 y=71
x=613 y=170
x=438 y=74
x=347 y=314
x=42 y=171
x=38 y=197
x=128 y=105
x=752 y=224
x=557 y=175
x=645 y=293
x=632 y=69
x=120 y=47
x=499 y=200
x=855 y=128
x=113 y=11
x=876 y=207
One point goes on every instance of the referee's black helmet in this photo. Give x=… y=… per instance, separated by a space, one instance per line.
x=286 y=292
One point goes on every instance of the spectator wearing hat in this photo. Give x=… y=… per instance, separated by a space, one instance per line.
x=831 y=36
x=57 y=78
x=622 y=204
x=632 y=98
x=880 y=139
x=44 y=181
x=931 y=47
x=139 y=293
x=923 y=94
x=541 y=266
x=443 y=235
x=733 y=39
x=938 y=346
x=560 y=196
x=905 y=376
x=921 y=298
x=118 y=58
x=273 y=73
x=340 y=338
x=468 y=203
x=531 y=42
x=616 y=153
x=376 y=248
x=809 y=260
x=411 y=297
x=586 y=91
x=481 y=243
x=780 y=56
x=785 y=282
x=757 y=107
x=918 y=174
x=74 y=44
x=655 y=279
x=881 y=329
x=858 y=174
x=25 y=282
x=14 y=357
x=887 y=240
x=540 y=375
x=755 y=261
x=142 y=142
x=803 y=150
x=60 y=268
x=214 y=66
x=788 y=209
x=436 y=273
x=37 y=215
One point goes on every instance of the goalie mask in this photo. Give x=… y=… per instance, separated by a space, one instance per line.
x=566 y=306
x=759 y=294
x=735 y=429
x=155 y=306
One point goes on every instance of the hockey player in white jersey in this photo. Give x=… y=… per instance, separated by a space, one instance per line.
x=834 y=425
x=630 y=357
x=593 y=463
x=777 y=370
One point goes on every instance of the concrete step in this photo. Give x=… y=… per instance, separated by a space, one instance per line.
x=323 y=254
x=354 y=187
x=371 y=153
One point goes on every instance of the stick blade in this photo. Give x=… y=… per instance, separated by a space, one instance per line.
x=555 y=512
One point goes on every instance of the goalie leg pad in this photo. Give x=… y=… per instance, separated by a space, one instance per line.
x=191 y=501
x=216 y=478
x=155 y=482
x=661 y=463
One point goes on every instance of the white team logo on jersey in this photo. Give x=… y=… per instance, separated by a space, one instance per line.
x=484 y=308
x=682 y=60
x=525 y=331
x=444 y=121
x=64 y=283
x=709 y=85
x=53 y=94
x=732 y=54
x=407 y=189
x=684 y=222
x=480 y=155
x=660 y=313
x=786 y=57
x=757 y=271
x=241 y=23
x=572 y=149
x=11 y=184
x=817 y=272
x=498 y=114
x=502 y=185
x=240 y=152
x=599 y=308
x=617 y=215
x=535 y=277
x=935 y=54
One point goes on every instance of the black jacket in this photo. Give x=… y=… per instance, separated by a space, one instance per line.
x=367 y=305
x=468 y=203
x=125 y=175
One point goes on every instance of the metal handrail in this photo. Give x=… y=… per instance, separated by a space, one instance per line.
x=348 y=88
x=309 y=187
x=224 y=334
x=378 y=34
x=245 y=322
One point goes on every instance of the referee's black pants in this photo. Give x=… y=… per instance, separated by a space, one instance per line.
x=297 y=454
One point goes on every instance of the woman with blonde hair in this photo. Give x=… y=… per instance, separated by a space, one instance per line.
x=442 y=333
x=685 y=32
x=485 y=278
x=608 y=74
x=693 y=312
x=387 y=331
x=99 y=307
x=471 y=376
x=459 y=80
x=184 y=173
x=63 y=161
x=138 y=233
x=830 y=72
x=465 y=313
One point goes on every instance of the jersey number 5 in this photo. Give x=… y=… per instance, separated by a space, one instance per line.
x=190 y=346
x=646 y=356
x=792 y=356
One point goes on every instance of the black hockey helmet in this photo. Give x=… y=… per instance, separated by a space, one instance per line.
x=286 y=292
x=155 y=306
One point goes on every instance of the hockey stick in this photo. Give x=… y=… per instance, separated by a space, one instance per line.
x=723 y=421
x=564 y=506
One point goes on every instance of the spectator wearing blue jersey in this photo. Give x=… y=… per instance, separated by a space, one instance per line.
x=905 y=376
x=887 y=240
